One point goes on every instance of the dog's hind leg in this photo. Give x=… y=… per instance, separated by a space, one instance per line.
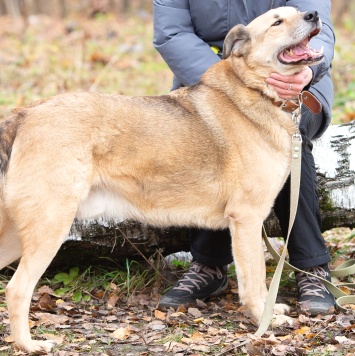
x=10 y=245
x=40 y=244
x=42 y=222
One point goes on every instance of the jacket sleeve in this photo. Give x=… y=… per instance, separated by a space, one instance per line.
x=326 y=38
x=174 y=38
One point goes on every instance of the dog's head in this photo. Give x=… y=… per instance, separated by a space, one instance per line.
x=277 y=41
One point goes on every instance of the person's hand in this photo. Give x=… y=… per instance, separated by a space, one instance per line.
x=289 y=86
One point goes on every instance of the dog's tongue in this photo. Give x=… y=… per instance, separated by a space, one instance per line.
x=300 y=52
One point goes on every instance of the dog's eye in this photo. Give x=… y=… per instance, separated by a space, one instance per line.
x=278 y=22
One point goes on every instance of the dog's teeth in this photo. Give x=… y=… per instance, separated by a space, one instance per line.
x=291 y=52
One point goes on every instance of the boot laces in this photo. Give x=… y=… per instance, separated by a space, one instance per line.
x=311 y=286
x=197 y=277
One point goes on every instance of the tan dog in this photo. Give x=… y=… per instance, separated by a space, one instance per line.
x=213 y=155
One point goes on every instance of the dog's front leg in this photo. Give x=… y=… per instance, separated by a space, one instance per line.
x=249 y=261
x=248 y=253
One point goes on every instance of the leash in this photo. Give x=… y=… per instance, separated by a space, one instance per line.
x=295 y=180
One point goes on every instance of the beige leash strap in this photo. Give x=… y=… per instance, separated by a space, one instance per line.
x=295 y=188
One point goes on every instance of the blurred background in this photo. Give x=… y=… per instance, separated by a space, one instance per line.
x=53 y=46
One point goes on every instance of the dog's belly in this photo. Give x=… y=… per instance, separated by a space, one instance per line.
x=102 y=203
x=106 y=204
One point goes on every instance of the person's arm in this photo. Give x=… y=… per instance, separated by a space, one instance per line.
x=174 y=38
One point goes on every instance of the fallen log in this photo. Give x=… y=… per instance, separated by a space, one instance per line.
x=334 y=154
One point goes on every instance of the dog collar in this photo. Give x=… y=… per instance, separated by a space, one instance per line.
x=308 y=99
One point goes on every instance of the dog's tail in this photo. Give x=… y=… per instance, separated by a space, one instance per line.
x=8 y=130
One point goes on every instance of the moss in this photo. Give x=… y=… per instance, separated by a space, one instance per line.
x=325 y=201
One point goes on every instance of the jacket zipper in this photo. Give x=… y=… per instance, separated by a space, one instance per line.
x=246 y=9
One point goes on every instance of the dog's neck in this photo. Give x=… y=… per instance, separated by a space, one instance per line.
x=254 y=77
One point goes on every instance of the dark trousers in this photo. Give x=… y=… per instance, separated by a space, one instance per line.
x=306 y=244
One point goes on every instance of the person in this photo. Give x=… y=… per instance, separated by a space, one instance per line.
x=189 y=36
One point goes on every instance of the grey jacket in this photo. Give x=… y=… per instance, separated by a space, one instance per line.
x=184 y=30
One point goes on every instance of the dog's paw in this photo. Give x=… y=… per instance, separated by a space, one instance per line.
x=38 y=346
x=279 y=320
x=279 y=317
x=281 y=309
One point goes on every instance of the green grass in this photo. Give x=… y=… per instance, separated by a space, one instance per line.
x=81 y=285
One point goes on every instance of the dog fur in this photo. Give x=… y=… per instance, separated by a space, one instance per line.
x=212 y=155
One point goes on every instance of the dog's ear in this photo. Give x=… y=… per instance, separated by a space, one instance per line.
x=236 y=41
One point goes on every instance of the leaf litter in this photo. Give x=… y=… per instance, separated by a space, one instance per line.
x=134 y=326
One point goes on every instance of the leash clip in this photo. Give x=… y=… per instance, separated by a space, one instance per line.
x=296 y=146
x=296 y=114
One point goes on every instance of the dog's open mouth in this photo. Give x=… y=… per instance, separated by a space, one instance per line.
x=301 y=53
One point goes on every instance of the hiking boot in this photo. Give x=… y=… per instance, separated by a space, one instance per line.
x=200 y=282
x=313 y=297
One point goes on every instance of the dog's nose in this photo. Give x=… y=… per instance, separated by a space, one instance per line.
x=311 y=16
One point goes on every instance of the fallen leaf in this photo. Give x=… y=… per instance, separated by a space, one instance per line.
x=198 y=320
x=175 y=347
x=181 y=309
x=55 y=337
x=200 y=303
x=160 y=315
x=175 y=315
x=46 y=289
x=121 y=333
x=186 y=340
x=78 y=340
x=196 y=336
x=303 y=330
x=46 y=302
x=344 y=340
x=303 y=318
x=156 y=325
x=88 y=326
x=202 y=348
x=9 y=338
x=194 y=312
x=207 y=321
x=112 y=300
x=48 y=319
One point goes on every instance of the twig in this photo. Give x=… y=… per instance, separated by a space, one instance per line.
x=103 y=72
x=145 y=258
x=234 y=347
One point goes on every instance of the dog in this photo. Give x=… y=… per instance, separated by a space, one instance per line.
x=211 y=155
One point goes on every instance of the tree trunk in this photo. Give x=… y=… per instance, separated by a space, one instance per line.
x=335 y=159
